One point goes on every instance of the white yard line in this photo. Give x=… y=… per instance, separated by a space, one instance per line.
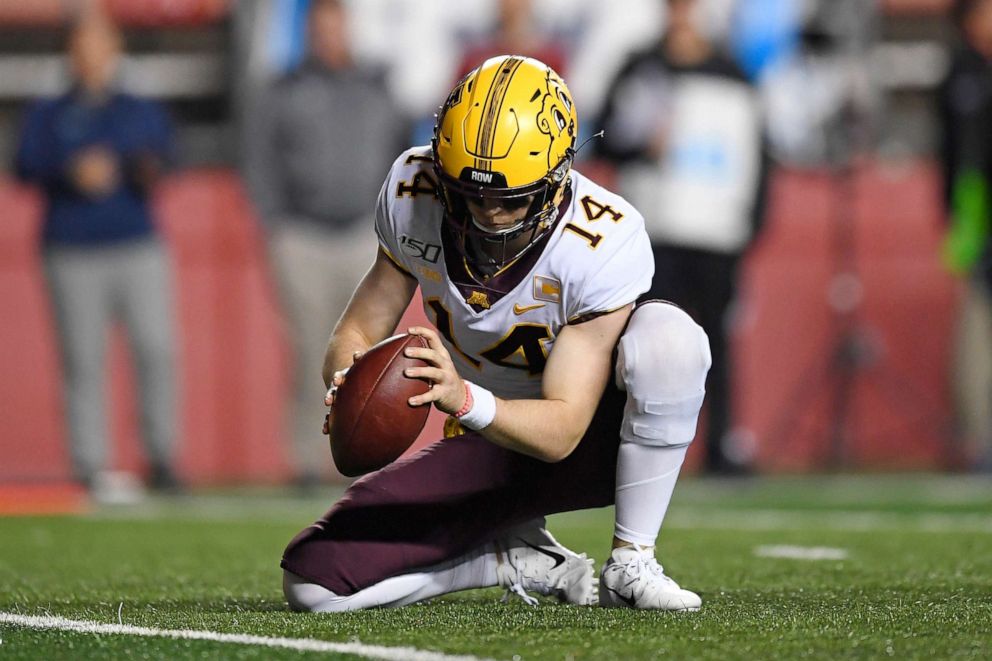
x=800 y=552
x=300 y=644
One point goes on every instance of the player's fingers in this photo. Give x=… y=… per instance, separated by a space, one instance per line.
x=436 y=355
x=327 y=424
x=433 y=339
x=423 y=331
x=429 y=355
x=432 y=374
x=426 y=398
x=331 y=394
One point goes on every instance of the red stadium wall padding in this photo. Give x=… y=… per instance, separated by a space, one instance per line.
x=234 y=362
x=232 y=372
x=788 y=373
x=233 y=354
x=30 y=409
x=131 y=13
x=231 y=367
x=159 y=13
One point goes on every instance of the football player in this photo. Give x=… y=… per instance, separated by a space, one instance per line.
x=564 y=392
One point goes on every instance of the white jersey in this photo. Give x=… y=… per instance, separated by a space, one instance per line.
x=596 y=259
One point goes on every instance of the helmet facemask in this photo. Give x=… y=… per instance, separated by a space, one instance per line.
x=492 y=249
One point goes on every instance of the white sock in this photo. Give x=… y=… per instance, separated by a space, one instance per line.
x=646 y=477
x=475 y=569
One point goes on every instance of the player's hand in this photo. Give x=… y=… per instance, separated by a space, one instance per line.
x=447 y=388
x=336 y=380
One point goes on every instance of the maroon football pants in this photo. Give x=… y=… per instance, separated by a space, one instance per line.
x=449 y=498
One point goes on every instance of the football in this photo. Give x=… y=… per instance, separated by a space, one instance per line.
x=371 y=422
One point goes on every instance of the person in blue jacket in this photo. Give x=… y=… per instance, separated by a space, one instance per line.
x=96 y=153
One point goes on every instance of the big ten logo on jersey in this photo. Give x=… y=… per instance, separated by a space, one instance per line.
x=428 y=252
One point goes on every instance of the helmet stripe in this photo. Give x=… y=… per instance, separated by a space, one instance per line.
x=494 y=104
x=476 y=162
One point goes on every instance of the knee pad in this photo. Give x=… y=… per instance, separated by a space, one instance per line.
x=662 y=362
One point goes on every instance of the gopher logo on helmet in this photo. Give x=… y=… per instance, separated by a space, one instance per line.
x=556 y=118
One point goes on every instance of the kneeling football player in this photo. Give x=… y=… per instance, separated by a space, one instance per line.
x=564 y=392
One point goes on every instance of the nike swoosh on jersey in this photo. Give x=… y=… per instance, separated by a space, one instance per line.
x=557 y=557
x=520 y=309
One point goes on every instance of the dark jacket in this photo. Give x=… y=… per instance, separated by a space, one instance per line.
x=56 y=130
x=319 y=143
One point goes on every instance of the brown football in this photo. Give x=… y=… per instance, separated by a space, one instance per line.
x=371 y=422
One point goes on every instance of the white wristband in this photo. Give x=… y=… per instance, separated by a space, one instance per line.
x=483 y=409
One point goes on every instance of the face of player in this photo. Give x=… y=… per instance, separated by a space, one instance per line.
x=498 y=215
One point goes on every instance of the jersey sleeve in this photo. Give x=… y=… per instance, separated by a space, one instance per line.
x=624 y=275
x=386 y=222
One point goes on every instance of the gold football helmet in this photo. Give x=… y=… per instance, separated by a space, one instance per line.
x=506 y=133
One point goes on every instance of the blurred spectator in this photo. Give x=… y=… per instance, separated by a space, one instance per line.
x=684 y=127
x=965 y=99
x=516 y=32
x=316 y=147
x=96 y=153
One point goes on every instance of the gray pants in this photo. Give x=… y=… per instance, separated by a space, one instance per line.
x=91 y=288
x=973 y=373
x=317 y=271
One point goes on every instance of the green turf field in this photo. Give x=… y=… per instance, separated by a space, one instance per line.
x=915 y=582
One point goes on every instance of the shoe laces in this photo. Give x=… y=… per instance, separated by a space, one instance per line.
x=642 y=561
